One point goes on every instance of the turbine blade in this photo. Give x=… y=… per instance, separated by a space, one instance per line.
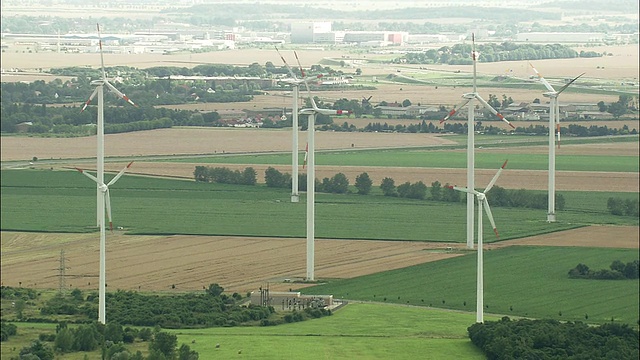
x=565 y=86
x=494 y=111
x=455 y=110
x=89 y=176
x=117 y=92
x=299 y=65
x=495 y=177
x=107 y=204
x=93 y=94
x=293 y=75
x=306 y=153
x=542 y=79
x=115 y=178
x=104 y=75
x=464 y=189
x=487 y=209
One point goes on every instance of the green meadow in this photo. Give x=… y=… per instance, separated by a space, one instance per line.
x=358 y=331
x=64 y=201
x=440 y=159
x=518 y=281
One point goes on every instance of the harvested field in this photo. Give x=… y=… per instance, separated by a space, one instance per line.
x=238 y=264
x=181 y=141
x=191 y=262
x=626 y=237
x=194 y=141
x=511 y=179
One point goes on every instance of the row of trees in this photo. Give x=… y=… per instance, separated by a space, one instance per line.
x=550 y=339
x=617 y=271
x=620 y=207
x=7 y=330
x=111 y=338
x=460 y=54
x=339 y=183
x=223 y=175
x=212 y=307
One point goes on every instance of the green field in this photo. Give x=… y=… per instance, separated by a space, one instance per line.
x=519 y=281
x=358 y=331
x=64 y=201
x=439 y=159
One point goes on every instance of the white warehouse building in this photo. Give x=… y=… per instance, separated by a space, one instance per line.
x=304 y=32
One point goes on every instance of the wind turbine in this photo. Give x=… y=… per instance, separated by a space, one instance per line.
x=482 y=203
x=295 y=83
x=106 y=201
x=554 y=119
x=469 y=99
x=99 y=84
x=311 y=172
x=99 y=178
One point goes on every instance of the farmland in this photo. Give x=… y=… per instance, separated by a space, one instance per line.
x=178 y=235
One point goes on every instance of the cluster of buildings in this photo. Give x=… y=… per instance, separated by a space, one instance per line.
x=174 y=37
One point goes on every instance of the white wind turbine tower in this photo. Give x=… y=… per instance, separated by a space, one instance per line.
x=295 y=83
x=311 y=172
x=101 y=198
x=469 y=99
x=482 y=203
x=106 y=201
x=99 y=84
x=554 y=119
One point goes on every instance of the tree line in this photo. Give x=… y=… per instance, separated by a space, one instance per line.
x=339 y=184
x=617 y=271
x=460 y=54
x=112 y=339
x=550 y=339
x=622 y=207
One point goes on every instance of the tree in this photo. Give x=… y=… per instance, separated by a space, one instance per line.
x=249 y=176
x=363 y=183
x=617 y=265
x=185 y=353
x=339 y=184
x=274 y=178
x=215 y=290
x=406 y=103
x=113 y=332
x=436 y=191
x=64 y=340
x=39 y=349
x=164 y=343
x=388 y=187
x=85 y=338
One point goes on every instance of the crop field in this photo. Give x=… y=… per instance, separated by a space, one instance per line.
x=519 y=280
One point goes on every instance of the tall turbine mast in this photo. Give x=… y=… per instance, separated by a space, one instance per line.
x=311 y=177
x=102 y=196
x=554 y=121
x=469 y=100
x=482 y=204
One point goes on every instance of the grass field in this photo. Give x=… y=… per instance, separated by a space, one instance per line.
x=358 y=331
x=64 y=201
x=441 y=159
x=519 y=280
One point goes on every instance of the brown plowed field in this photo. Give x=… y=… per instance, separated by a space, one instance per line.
x=191 y=262
x=238 y=264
